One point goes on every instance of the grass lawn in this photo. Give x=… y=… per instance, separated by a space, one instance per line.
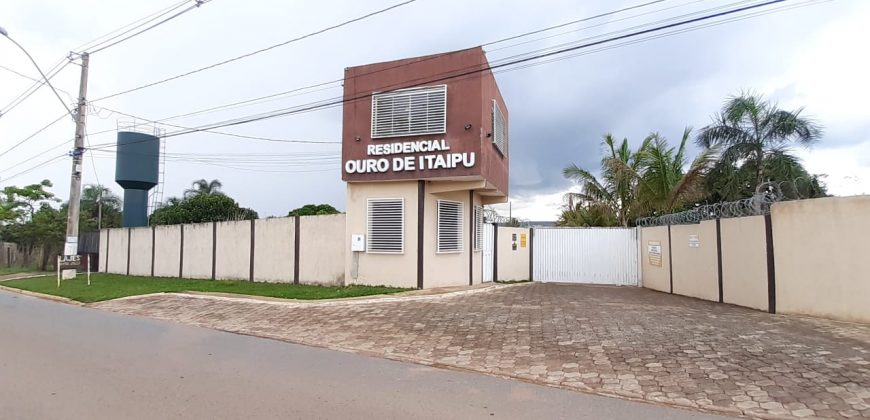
x=113 y=286
x=4 y=271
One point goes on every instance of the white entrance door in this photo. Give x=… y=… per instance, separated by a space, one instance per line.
x=487 y=248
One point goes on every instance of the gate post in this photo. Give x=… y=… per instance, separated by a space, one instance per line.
x=531 y=254
x=495 y=252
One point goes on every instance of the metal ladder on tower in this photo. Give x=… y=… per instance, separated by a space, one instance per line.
x=156 y=198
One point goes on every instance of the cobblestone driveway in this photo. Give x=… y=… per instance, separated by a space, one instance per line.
x=625 y=342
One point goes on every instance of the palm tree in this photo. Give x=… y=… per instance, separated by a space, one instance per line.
x=95 y=201
x=203 y=187
x=95 y=193
x=754 y=135
x=586 y=215
x=617 y=189
x=665 y=186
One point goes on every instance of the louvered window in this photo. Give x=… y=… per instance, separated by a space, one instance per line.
x=449 y=226
x=499 y=129
x=386 y=226
x=478 y=227
x=410 y=112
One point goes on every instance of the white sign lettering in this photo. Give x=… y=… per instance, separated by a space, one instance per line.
x=409 y=163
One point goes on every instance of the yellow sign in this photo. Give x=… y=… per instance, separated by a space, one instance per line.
x=522 y=240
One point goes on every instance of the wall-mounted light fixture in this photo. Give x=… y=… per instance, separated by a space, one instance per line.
x=467 y=127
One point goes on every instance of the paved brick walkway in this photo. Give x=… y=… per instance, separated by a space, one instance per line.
x=625 y=342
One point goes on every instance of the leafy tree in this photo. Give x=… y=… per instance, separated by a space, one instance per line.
x=201 y=208
x=45 y=229
x=755 y=137
x=313 y=210
x=203 y=187
x=616 y=192
x=21 y=203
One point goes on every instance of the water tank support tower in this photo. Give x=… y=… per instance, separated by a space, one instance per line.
x=137 y=165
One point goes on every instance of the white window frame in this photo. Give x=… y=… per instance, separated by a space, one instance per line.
x=499 y=129
x=478 y=228
x=411 y=92
x=460 y=227
x=369 y=235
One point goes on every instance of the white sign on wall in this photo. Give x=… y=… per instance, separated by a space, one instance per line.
x=654 y=253
x=438 y=157
x=694 y=241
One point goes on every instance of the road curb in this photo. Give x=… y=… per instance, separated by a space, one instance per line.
x=44 y=296
x=295 y=303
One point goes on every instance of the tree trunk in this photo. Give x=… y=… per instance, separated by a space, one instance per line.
x=759 y=170
x=46 y=250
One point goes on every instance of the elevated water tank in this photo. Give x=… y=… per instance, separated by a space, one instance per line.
x=136 y=170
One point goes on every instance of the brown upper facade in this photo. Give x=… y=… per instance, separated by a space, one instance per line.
x=437 y=117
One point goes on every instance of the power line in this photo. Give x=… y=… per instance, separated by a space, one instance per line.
x=234 y=104
x=321 y=84
x=40 y=165
x=66 y=61
x=196 y=4
x=44 y=77
x=132 y=26
x=488 y=68
x=562 y=25
x=338 y=101
x=678 y=24
x=35 y=80
x=8 y=168
x=211 y=66
x=225 y=133
x=358 y=75
x=54 y=71
x=33 y=135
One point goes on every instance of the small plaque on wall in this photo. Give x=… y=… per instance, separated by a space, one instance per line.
x=654 y=253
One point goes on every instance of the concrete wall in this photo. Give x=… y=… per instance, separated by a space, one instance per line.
x=274 y=249
x=167 y=250
x=12 y=255
x=821 y=257
x=655 y=273
x=695 y=268
x=512 y=264
x=198 y=239
x=116 y=260
x=233 y=250
x=820 y=264
x=398 y=270
x=744 y=262
x=140 y=251
x=104 y=247
x=321 y=259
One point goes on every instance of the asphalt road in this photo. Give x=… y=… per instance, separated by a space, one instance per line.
x=63 y=361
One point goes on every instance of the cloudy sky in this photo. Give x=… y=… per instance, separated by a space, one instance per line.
x=808 y=56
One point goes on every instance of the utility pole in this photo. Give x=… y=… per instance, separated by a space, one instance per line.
x=75 y=188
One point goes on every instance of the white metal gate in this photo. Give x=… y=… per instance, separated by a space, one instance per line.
x=586 y=255
x=487 y=249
